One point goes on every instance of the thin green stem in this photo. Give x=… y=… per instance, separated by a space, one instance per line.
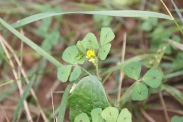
x=126 y=94
x=159 y=57
x=85 y=70
x=178 y=26
x=172 y=16
x=106 y=77
x=97 y=71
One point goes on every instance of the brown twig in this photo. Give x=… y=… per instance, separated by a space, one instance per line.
x=147 y=116
x=179 y=112
x=121 y=72
x=52 y=89
x=164 y=106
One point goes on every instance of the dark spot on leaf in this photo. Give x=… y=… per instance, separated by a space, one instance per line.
x=132 y=68
x=81 y=121
x=110 y=114
x=153 y=77
x=125 y=118
x=139 y=92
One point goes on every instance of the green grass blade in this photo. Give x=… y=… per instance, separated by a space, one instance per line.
x=178 y=95
x=177 y=10
x=20 y=104
x=31 y=44
x=63 y=104
x=119 y=13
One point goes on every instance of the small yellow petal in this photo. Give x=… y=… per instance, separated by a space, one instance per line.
x=90 y=53
x=92 y=60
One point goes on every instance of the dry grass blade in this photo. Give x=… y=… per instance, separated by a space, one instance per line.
x=26 y=79
x=164 y=106
x=29 y=117
x=176 y=44
x=149 y=118
x=121 y=72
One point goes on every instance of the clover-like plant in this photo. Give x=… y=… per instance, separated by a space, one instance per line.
x=151 y=78
x=87 y=49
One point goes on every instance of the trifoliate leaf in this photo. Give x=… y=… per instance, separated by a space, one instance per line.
x=82 y=118
x=91 y=41
x=139 y=91
x=104 y=51
x=69 y=54
x=75 y=73
x=133 y=70
x=81 y=45
x=106 y=36
x=96 y=115
x=63 y=73
x=110 y=114
x=153 y=77
x=124 y=116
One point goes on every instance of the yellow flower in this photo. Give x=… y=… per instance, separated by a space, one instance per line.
x=90 y=53
x=90 y=56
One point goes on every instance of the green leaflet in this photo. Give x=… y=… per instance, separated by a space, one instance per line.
x=91 y=41
x=139 y=91
x=177 y=119
x=124 y=116
x=64 y=72
x=96 y=115
x=81 y=45
x=80 y=58
x=75 y=73
x=132 y=70
x=82 y=118
x=69 y=54
x=87 y=95
x=104 y=51
x=106 y=36
x=153 y=77
x=110 y=114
